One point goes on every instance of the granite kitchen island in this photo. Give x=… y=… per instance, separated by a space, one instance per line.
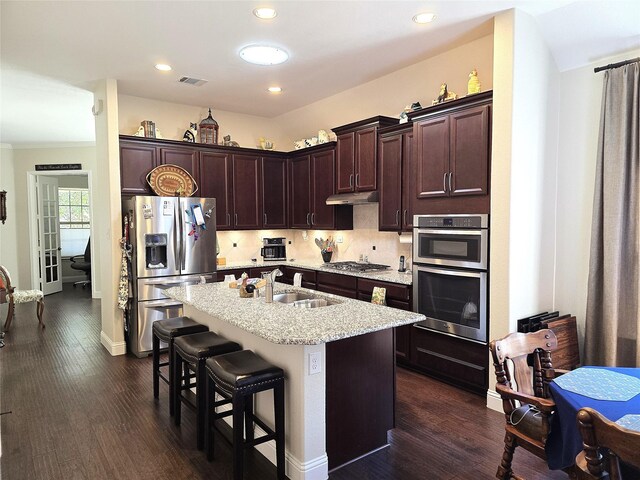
x=343 y=409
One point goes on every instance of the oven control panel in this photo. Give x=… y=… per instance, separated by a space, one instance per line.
x=452 y=221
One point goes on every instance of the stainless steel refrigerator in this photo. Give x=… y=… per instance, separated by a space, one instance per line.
x=173 y=242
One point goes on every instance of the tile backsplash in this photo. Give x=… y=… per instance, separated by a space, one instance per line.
x=359 y=241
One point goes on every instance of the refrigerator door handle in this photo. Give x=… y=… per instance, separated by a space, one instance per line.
x=161 y=304
x=180 y=231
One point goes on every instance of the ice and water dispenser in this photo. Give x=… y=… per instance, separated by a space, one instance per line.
x=155 y=246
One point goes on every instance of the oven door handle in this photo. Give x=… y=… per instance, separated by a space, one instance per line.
x=444 y=231
x=446 y=271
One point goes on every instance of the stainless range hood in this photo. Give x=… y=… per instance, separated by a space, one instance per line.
x=357 y=198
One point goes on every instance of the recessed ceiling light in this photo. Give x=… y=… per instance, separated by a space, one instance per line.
x=263 y=55
x=275 y=89
x=265 y=13
x=163 y=67
x=424 y=17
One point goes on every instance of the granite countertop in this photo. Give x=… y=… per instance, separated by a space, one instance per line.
x=392 y=275
x=285 y=324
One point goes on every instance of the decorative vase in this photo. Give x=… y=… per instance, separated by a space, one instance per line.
x=326 y=256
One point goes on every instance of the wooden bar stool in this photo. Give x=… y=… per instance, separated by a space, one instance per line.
x=190 y=352
x=236 y=377
x=167 y=331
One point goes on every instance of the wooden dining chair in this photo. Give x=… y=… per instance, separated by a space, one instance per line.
x=14 y=296
x=607 y=448
x=524 y=392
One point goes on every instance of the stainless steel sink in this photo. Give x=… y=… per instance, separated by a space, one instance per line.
x=303 y=300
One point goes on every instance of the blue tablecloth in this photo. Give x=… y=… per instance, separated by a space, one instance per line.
x=564 y=441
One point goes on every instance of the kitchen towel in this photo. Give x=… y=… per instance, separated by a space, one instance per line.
x=297 y=280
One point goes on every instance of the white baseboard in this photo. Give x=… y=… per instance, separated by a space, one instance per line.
x=96 y=294
x=494 y=401
x=114 y=348
x=314 y=469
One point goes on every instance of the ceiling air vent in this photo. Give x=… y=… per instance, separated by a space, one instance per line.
x=196 y=82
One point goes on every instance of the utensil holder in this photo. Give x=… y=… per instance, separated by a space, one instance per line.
x=326 y=256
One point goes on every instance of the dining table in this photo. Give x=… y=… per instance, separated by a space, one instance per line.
x=612 y=391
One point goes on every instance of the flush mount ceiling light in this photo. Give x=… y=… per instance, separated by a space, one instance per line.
x=263 y=55
x=275 y=89
x=265 y=13
x=424 y=18
x=163 y=67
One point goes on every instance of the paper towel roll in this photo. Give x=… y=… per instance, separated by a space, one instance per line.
x=297 y=280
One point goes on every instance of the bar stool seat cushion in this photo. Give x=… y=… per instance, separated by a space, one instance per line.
x=242 y=370
x=177 y=326
x=203 y=345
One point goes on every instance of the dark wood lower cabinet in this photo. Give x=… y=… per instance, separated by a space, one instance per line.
x=343 y=285
x=451 y=359
x=360 y=379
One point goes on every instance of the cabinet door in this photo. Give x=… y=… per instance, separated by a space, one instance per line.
x=366 y=159
x=390 y=181
x=345 y=180
x=274 y=192
x=246 y=192
x=408 y=181
x=432 y=156
x=300 y=192
x=469 y=154
x=323 y=174
x=186 y=158
x=216 y=181
x=136 y=161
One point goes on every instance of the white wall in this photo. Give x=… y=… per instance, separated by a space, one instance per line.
x=580 y=101
x=173 y=119
x=388 y=95
x=523 y=173
x=8 y=230
x=110 y=227
x=24 y=161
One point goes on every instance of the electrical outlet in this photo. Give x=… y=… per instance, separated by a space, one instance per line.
x=315 y=363
x=339 y=239
x=374 y=247
x=235 y=244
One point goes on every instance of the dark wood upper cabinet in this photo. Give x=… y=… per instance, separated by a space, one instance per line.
x=136 y=161
x=395 y=146
x=366 y=159
x=451 y=161
x=346 y=162
x=312 y=177
x=216 y=181
x=300 y=192
x=185 y=157
x=357 y=154
x=274 y=192
x=247 y=184
x=469 y=151
x=323 y=172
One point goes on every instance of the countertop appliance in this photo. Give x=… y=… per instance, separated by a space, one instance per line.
x=356 y=266
x=173 y=243
x=274 y=249
x=450 y=274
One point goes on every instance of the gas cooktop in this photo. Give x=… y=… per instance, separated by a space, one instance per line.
x=356 y=266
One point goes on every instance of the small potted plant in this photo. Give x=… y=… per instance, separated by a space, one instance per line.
x=326 y=248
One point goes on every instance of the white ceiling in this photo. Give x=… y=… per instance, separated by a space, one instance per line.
x=51 y=52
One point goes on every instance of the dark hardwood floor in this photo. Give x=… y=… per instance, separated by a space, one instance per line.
x=77 y=412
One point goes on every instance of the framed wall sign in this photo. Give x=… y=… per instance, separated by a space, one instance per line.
x=58 y=166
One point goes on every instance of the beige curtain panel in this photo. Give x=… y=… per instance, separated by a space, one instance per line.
x=612 y=327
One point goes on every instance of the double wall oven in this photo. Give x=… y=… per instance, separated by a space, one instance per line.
x=450 y=274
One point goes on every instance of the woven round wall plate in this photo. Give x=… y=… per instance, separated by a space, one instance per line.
x=171 y=181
